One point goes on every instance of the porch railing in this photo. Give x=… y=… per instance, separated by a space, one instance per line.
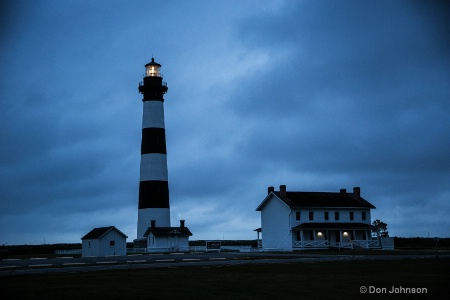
x=311 y=244
x=366 y=243
x=327 y=244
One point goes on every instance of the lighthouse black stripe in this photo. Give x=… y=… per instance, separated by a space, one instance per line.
x=153 y=194
x=153 y=140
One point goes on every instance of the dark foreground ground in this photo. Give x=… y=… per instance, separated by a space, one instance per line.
x=304 y=280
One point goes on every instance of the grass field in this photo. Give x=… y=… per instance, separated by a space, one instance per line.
x=318 y=280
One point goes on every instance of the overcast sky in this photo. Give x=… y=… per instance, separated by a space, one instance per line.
x=317 y=95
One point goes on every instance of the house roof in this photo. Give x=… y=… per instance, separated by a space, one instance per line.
x=319 y=199
x=334 y=225
x=97 y=233
x=167 y=231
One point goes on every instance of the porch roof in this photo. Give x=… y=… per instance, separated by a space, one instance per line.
x=334 y=225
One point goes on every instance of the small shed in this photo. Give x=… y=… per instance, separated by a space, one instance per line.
x=167 y=238
x=104 y=241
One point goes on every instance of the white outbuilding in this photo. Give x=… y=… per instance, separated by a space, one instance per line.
x=104 y=241
x=167 y=238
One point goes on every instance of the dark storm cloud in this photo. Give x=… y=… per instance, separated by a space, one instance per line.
x=351 y=92
x=318 y=95
x=363 y=80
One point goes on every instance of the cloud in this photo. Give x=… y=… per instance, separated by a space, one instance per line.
x=315 y=95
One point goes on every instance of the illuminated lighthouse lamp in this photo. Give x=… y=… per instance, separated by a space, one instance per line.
x=152 y=69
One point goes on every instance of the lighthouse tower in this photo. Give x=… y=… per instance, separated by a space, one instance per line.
x=153 y=186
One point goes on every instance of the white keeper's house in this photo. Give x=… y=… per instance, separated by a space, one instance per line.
x=315 y=220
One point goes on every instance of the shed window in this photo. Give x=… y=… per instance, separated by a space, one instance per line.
x=111 y=243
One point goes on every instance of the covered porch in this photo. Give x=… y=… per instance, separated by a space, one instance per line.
x=333 y=235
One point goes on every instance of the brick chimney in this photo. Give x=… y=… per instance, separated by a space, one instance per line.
x=153 y=223
x=283 y=190
x=343 y=191
x=270 y=189
x=357 y=192
x=182 y=223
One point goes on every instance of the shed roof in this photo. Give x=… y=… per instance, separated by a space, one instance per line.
x=319 y=199
x=168 y=231
x=97 y=233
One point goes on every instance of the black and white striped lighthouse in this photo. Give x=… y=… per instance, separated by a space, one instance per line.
x=153 y=185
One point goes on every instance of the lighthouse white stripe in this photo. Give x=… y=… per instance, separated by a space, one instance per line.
x=154 y=167
x=153 y=114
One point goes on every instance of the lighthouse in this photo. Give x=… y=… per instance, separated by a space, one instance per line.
x=154 y=206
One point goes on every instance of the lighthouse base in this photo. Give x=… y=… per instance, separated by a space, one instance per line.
x=161 y=216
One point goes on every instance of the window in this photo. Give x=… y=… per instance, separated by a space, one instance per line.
x=111 y=243
x=89 y=244
x=311 y=215
x=351 y=216
x=326 y=216
x=297 y=216
x=299 y=238
x=363 y=215
x=336 y=215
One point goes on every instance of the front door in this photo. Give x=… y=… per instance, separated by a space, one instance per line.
x=338 y=236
